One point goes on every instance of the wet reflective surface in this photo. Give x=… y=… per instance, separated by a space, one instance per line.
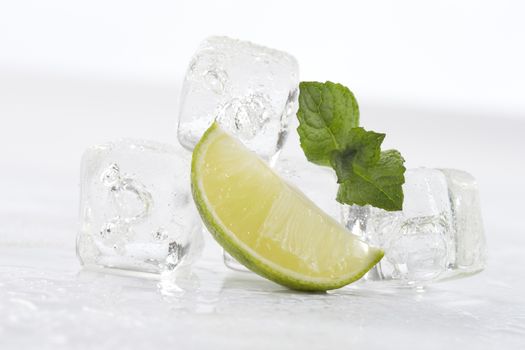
x=48 y=300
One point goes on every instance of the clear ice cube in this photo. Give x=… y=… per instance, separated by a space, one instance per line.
x=438 y=234
x=136 y=209
x=249 y=89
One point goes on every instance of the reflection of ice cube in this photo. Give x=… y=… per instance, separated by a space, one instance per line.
x=136 y=209
x=249 y=89
x=439 y=233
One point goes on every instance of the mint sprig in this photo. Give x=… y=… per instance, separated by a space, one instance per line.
x=327 y=113
x=330 y=136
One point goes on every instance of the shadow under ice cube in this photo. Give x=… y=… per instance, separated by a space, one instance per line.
x=136 y=209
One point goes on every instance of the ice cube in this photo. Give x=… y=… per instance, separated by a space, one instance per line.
x=136 y=209
x=249 y=89
x=471 y=249
x=437 y=235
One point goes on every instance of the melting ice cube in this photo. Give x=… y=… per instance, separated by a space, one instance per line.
x=249 y=89
x=438 y=234
x=136 y=207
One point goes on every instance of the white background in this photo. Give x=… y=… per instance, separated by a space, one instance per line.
x=444 y=80
x=469 y=53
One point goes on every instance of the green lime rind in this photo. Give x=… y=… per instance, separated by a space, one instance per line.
x=248 y=259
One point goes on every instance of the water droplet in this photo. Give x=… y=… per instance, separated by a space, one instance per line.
x=160 y=234
x=106 y=230
x=111 y=176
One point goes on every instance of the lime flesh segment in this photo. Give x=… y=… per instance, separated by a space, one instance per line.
x=267 y=224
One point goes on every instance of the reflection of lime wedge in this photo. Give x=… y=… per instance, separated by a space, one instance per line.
x=268 y=225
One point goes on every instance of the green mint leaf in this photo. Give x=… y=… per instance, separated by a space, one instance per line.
x=327 y=112
x=379 y=185
x=362 y=147
x=329 y=133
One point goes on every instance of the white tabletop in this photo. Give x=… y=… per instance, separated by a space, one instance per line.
x=47 y=301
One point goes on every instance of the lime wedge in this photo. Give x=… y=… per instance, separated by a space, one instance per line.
x=267 y=224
